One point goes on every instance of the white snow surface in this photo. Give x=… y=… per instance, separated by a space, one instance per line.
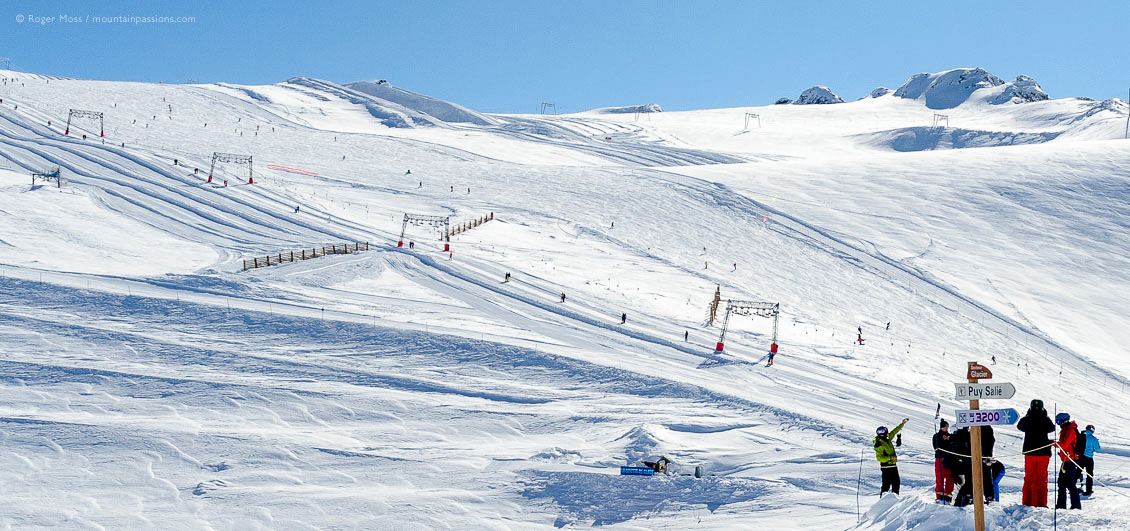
x=149 y=381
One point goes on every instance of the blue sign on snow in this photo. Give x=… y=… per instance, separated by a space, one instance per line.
x=636 y=471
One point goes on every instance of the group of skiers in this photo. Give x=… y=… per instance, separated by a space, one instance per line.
x=1076 y=453
x=954 y=467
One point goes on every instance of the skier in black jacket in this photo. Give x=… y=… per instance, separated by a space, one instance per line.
x=1036 y=426
x=943 y=479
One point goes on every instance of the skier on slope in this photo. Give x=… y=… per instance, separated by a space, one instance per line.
x=623 y=318
x=885 y=454
x=562 y=296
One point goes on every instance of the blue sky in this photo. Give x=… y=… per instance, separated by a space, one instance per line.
x=508 y=56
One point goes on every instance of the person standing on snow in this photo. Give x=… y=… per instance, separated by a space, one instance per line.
x=623 y=318
x=961 y=467
x=562 y=296
x=942 y=477
x=885 y=454
x=1087 y=460
x=1068 y=479
x=1036 y=426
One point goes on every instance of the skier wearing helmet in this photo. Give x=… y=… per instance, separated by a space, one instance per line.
x=885 y=454
x=1068 y=480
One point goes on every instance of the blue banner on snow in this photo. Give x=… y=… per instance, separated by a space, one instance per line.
x=636 y=471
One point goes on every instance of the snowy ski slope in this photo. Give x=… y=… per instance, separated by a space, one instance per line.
x=149 y=382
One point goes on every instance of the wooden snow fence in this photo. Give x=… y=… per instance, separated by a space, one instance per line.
x=466 y=226
x=303 y=254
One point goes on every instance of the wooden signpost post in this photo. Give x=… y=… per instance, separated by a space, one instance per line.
x=975 y=373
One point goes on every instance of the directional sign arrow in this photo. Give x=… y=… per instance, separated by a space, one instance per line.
x=982 y=391
x=986 y=417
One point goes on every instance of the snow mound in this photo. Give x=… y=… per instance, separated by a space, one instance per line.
x=818 y=95
x=438 y=109
x=922 y=514
x=388 y=113
x=946 y=90
x=631 y=109
x=931 y=138
x=879 y=92
x=1023 y=89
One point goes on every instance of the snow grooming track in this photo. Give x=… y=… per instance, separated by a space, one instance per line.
x=504 y=312
x=893 y=270
x=546 y=132
x=249 y=425
x=244 y=222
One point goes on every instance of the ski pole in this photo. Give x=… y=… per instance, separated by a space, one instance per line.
x=862 y=452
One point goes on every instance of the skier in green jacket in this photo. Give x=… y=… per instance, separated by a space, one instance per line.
x=885 y=454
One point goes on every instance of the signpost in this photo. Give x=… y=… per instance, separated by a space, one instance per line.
x=977 y=371
x=975 y=417
x=969 y=391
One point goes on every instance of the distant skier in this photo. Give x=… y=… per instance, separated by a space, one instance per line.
x=295 y=209
x=453 y=188
x=706 y=264
x=613 y=225
x=735 y=266
x=686 y=334
x=623 y=318
x=411 y=245
x=421 y=185
x=409 y=172
x=507 y=277
x=769 y=363
x=859 y=339
x=562 y=296
x=888 y=325
x=176 y=162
